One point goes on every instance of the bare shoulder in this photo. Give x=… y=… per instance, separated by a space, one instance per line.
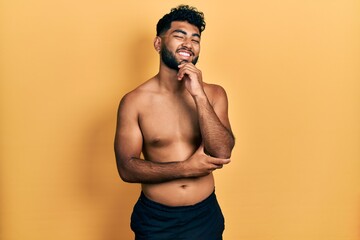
x=214 y=92
x=214 y=89
x=135 y=98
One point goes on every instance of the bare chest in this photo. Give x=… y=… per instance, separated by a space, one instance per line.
x=165 y=121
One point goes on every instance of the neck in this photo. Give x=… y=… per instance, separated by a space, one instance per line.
x=168 y=79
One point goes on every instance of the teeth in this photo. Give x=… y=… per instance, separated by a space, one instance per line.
x=184 y=54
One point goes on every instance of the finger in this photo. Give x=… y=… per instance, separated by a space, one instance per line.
x=183 y=63
x=188 y=66
x=215 y=167
x=220 y=161
x=186 y=70
x=219 y=166
x=182 y=72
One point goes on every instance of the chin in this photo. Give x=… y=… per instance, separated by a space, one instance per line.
x=183 y=61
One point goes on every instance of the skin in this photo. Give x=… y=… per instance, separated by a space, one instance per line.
x=179 y=123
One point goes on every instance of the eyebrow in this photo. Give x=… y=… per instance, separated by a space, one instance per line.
x=185 y=33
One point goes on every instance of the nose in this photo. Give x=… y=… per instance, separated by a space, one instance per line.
x=187 y=43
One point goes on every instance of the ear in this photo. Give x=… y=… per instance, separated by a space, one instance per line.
x=157 y=43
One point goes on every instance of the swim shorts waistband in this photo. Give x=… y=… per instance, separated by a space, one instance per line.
x=150 y=203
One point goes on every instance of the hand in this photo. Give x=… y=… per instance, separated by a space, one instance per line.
x=192 y=78
x=200 y=164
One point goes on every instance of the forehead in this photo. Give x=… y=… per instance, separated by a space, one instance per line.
x=188 y=27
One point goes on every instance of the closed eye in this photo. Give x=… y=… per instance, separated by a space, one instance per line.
x=179 y=36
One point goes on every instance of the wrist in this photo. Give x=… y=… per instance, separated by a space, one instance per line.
x=201 y=100
x=200 y=96
x=184 y=170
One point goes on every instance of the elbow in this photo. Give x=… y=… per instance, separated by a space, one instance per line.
x=124 y=173
x=228 y=150
x=124 y=176
x=223 y=152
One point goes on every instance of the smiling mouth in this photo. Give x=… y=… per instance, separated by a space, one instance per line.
x=184 y=54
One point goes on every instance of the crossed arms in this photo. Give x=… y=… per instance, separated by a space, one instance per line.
x=214 y=152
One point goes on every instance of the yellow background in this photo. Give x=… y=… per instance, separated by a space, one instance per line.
x=291 y=70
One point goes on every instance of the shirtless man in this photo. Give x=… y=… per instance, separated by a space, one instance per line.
x=181 y=126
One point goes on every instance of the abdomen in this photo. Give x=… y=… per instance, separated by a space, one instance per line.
x=181 y=192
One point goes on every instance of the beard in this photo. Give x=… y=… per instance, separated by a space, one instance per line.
x=169 y=58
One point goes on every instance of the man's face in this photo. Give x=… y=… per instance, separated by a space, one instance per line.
x=170 y=59
x=181 y=43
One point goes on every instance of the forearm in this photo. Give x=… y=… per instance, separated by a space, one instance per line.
x=218 y=140
x=135 y=170
x=199 y=164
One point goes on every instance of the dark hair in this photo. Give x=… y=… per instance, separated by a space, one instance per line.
x=183 y=13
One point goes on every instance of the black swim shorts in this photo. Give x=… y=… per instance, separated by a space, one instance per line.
x=154 y=221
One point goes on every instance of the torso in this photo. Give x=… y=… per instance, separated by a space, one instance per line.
x=171 y=132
